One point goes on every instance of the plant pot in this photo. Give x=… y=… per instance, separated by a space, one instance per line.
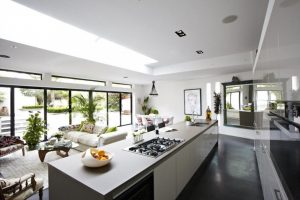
x=32 y=147
x=188 y=123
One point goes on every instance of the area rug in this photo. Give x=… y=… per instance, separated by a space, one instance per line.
x=16 y=165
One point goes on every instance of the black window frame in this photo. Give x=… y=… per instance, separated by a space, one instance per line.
x=12 y=103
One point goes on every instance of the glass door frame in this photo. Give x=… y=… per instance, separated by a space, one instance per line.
x=45 y=89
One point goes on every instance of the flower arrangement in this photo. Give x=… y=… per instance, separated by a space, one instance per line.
x=58 y=135
x=138 y=135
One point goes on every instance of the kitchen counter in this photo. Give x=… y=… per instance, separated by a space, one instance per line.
x=125 y=167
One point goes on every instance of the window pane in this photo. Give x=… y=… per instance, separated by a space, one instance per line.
x=21 y=75
x=5 y=111
x=57 y=109
x=120 y=85
x=100 y=115
x=275 y=95
x=27 y=100
x=262 y=100
x=235 y=100
x=77 y=81
x=77 y=116
x=126 y=108
x=114 y=109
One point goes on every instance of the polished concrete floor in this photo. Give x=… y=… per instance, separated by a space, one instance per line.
x=231 y=173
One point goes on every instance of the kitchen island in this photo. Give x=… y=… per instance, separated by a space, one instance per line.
x=129 y=173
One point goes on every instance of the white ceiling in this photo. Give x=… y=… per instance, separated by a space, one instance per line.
x=147 y=26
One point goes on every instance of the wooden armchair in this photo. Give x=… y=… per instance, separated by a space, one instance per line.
x=20 y=188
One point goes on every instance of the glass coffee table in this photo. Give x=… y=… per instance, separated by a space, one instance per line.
x=62 y=148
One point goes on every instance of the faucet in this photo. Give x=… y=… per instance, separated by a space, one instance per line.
x=193 y=116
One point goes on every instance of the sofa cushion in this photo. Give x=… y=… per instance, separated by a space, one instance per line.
x=108 y=138
x=99 y=130
x=89 y=139
x=6 y=150
x=74 y=135
x=8 y=182
x=6 y=141
x=111 y=129
x=87 y=127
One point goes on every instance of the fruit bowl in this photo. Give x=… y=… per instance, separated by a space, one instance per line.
x=88 y=158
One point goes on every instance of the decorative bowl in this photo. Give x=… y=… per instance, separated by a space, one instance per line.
x=88 y=160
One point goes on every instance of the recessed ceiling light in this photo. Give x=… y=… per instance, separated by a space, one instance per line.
x=199 y=52
x=229 y=19
x=180 y=33
x=13 y=46
x=4 y=56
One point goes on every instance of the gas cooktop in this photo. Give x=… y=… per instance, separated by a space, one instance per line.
x=154 y=147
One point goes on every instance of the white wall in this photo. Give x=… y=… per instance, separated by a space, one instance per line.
x=170 y=99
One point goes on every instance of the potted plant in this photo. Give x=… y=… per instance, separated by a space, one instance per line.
x=188 y=120
x=217 y=103
x=34 y=130
x=145 y=106
x=58 y=135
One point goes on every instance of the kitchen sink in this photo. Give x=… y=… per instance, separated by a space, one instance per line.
x=199 y=124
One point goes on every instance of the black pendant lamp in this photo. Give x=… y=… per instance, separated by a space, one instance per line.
x=153 y=90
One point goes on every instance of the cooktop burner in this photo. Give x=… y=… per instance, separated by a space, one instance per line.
x=154 y=147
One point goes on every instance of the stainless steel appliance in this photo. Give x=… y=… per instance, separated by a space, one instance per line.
x=154 y=147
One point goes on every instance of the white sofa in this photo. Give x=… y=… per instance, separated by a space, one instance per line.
x=94 y=139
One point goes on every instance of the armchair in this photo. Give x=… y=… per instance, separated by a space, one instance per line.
x=20 y=188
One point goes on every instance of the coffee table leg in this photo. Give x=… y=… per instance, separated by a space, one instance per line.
x=42 y=155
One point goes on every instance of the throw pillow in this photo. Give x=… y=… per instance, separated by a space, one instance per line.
x=80 y=125
x=87 y=127
x=111 y=129
x=8 y=182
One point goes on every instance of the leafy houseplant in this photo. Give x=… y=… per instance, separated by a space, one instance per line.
x=145 y=107
x=217 y=103
x=34 y=130
x=58 y=135
x=188 y=120
x=154 y=111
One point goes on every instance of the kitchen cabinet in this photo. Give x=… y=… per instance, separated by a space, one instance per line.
x=172 y=175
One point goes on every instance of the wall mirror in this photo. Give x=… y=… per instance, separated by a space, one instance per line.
x=246 y=101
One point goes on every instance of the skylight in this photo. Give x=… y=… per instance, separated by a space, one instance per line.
x=27 y=26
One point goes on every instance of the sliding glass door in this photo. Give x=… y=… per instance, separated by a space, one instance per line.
x=101 y=110
x=77 y=96
x=114 y=116
x=27 y=101
x=5 y=111
x=126 y=108
x=57 y=110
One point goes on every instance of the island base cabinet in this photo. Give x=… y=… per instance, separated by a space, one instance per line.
x=165 y=180
x=173 y=174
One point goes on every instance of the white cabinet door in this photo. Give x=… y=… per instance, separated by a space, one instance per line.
x=165 y=180
x=184 y=167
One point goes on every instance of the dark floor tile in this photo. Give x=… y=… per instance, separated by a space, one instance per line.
x=232 y=173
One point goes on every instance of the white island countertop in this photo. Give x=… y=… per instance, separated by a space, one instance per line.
x=125 y=166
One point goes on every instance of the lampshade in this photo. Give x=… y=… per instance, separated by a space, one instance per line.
x=153 y=90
